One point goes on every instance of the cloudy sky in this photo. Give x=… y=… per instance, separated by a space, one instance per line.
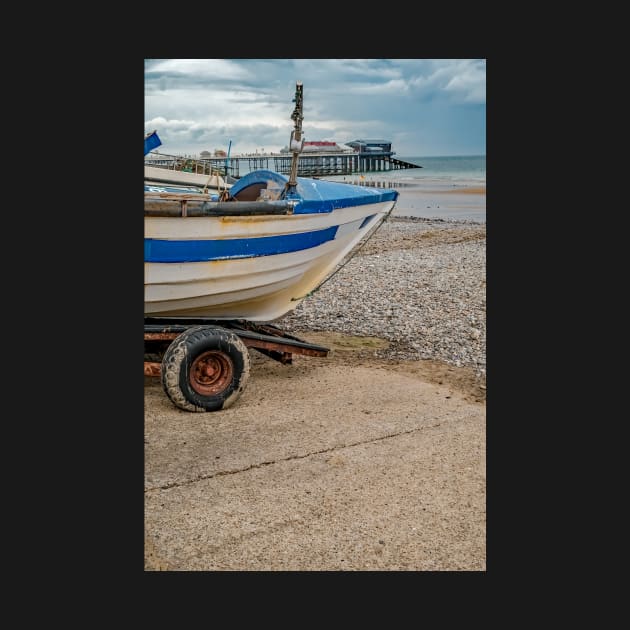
x=425 y=107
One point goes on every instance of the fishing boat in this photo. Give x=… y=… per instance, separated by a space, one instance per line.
x=260 y=260
x=220 y=267
x=260 y=249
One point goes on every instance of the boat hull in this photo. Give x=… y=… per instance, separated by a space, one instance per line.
x=256 y=268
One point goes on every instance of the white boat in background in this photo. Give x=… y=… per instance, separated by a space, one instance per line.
x=258 y=254
x=156 y=175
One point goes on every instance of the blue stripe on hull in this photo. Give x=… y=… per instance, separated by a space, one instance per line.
x=366 y=221
x=157 y=250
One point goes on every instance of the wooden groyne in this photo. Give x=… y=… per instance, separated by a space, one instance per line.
x=375 y=183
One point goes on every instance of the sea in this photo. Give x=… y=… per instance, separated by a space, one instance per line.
x=465 y=170
x=422 y=190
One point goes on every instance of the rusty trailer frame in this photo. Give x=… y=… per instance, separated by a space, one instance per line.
x=265 y=338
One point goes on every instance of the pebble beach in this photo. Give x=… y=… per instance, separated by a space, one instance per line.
x=419 y=283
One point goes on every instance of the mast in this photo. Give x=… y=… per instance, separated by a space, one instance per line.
x=227 y=161
x=297 y=141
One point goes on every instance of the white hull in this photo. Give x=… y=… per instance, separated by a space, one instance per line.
x=263 y=287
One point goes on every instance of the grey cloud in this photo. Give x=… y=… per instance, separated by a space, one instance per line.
x=424 y=103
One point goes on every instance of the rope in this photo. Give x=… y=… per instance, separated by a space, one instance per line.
x=223 y=193
x=209 y=178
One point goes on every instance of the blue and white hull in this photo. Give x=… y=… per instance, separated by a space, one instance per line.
x=259 y=267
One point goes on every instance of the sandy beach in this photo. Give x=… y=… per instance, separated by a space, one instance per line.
x=432 y=197
x=372 y=458
x=481 y=190
x=455 y=202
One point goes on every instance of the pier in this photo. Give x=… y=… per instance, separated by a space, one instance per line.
x=311 y=164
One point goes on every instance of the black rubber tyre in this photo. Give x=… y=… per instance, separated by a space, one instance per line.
x=205 y=368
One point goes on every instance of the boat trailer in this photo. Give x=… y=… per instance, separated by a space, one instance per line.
x=204 y=363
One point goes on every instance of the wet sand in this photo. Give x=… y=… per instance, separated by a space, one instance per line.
x=481 y=190
x=332 y=464
x=454 y=203
x=434 y=198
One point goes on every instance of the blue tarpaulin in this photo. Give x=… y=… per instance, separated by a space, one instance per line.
x=151 y=141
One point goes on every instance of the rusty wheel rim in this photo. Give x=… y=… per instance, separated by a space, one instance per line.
x=211 y=373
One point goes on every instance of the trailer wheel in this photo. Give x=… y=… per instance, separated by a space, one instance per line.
x=205 y=369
